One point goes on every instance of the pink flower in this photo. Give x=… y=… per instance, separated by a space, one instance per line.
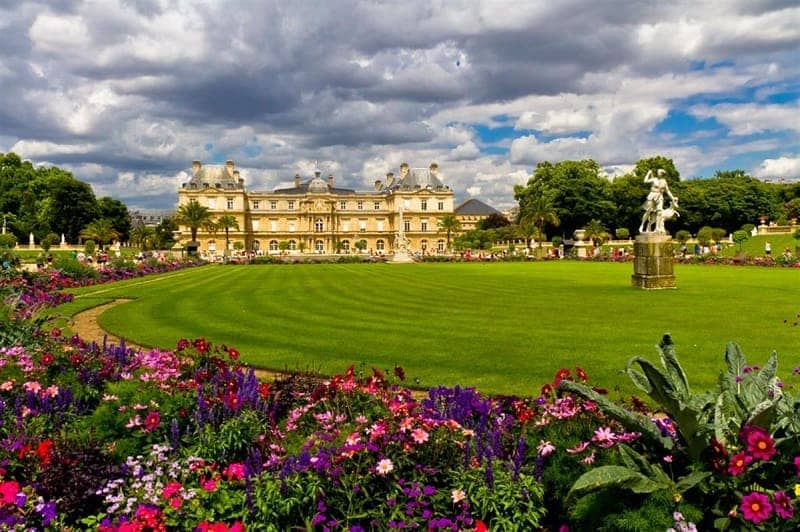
x=579 y=448
x=604 y=437
x=171 y=489
x=234 y=471
x=783 y=505
x=759 y=443
x=419 y=435
x=545 y=448
x=208 y=484
x=384 y=467
x=176 y=502
x=589 y=460
x=236 y=527
x=738 y=463
x=458 y=496
x=797 y=464
x=755 y=507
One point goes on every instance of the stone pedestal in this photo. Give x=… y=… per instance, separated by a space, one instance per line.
x=652 y=262
x=401 y=257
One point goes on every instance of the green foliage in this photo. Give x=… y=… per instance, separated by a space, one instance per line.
x=232 y=439
x=101 y=231
x=89 y=247
x=748 y=228
x=493 y=221
x=117 y=213
x=194 y=216
x=449 y=224
x=718 y=234
x=622 y=233
x=508 y=505
x=705 y=236
x=682 y=236
x=557 y=241
x=238 y=245
x=73 y=267
x=740 y=237
x=8 y=241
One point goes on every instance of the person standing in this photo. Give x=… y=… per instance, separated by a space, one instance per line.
x=767 y=249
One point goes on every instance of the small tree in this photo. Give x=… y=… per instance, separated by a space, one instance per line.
x=718 y=234
x=89 y=247
x=623 y=233
x=8 y=241
x=682 y=236
x=361 y=245
x=596 y=232
x=749 y=228
x=238 y=245
x=283 y=246
x=704 y=236
x=49 y=241
x=301 y=246
x=557 y=241
x=740 y=237
x=796 y=236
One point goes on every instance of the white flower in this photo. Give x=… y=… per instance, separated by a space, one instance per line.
x=384 y=467
x=458 y=495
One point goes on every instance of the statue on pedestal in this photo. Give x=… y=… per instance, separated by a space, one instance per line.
x=654 y=213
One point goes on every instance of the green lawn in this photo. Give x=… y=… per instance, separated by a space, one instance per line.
x=503 y=328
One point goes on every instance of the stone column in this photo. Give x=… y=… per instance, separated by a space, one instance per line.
x=653 y=262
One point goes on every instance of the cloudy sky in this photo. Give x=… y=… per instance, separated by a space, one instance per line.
x=127 y=93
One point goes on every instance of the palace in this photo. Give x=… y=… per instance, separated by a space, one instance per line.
x=316 y=216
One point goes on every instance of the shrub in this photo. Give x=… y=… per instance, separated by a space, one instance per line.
x=88 y=247
x=682 y=236
x=622 y=233
x=8 y=241
x=557 y=241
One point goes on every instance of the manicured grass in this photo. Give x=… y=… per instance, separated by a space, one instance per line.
x=504 y=328
x=754 y=246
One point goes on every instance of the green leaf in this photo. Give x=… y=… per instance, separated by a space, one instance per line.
x=612 y=475
x=734 y=359
x=763 y=414
x=689 y=481
x=726 y=416
x=661 y=390
x=767 y=373
x=674 y=370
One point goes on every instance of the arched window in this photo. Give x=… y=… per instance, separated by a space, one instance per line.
x=346 y=246
x=318 y=225
x=273 y=245
x=319 y=246
x=424 y=244
x=256 y=245
x=440 y=246
x=292 y=245
x=379 y=245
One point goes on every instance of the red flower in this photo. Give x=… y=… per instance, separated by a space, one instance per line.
x=480 y=526
x=201 y=345
x=759 y=443
x=581 y=374
x=47 y=359
x=45 y=451
x=55 y=332
x=546 y=390
x=263 y=390
x=562 y=374
x=171 y=489
x=152 y=421
x=8 y=491
x=738 y=463
x=756 y=507
x=233 y=353
x=783 y=505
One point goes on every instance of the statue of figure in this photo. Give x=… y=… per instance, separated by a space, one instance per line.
x=653 y=218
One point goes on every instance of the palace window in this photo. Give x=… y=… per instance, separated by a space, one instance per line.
x=377 y=205
x=440 y=246
x=424 y=245
x=230 y=203
x=292 y=245
x=273 y=245
x=407 y=225
x=380 y=225
x=379 y=245
x=255 y=224
x=423 y=205
x=256 y=245
x=362 y=225
x=273 y=204
x=291 y=205
x=319 y=246
x=360 y=205
x=345 y=225
x=318 y=225
x=423 y=225
x=255 y=204
x=273 y=225
x=342 y=205
x=291 y=226
x=346 y=246
x=441 y=205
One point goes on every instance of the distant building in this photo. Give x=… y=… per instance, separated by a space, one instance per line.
x=150 y=218
x=472 y=211
x=316 y=216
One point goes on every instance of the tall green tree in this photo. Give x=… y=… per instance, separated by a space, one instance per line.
x=165 y=233
x=226 y=223
x=101 y=231
x=143 y=236
x=194 y=216
x=117 y=212
x=539 y=209
x=449 y=224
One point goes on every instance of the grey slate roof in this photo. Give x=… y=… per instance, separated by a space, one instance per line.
x=304 y=189
x=475 y=207
x=417 y=179
x=214 y=177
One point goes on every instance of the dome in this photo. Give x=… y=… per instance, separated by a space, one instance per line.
x=317 y=185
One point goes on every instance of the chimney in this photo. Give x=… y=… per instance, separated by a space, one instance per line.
x=296 y=180
x=238 y=179
x=330 y=180
x=195 y=167
x=389 y=179
x=229 y=167
x=403 y=170
x=378 y=185
x=434 y=169
x=317 y=173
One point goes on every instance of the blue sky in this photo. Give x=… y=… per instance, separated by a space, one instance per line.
x=127 y=93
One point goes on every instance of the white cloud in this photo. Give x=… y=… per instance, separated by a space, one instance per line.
x=749 y=118
x=468 y=150
x=474 y=190
x=782 y=167
x=31 y=149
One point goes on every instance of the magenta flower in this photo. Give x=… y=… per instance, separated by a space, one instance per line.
x=797 y=464
x=759 y=443
x=756 y=507
x=152 y=421
x=738 y=463
x=783 y=505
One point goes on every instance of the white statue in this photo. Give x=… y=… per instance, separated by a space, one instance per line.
x=654 y=213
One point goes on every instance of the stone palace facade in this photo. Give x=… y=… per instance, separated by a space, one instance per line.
x=315 y=216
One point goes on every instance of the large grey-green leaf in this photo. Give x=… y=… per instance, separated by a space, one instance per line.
x=612 y=475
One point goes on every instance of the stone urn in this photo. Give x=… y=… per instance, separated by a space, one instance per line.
x=579 y=234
